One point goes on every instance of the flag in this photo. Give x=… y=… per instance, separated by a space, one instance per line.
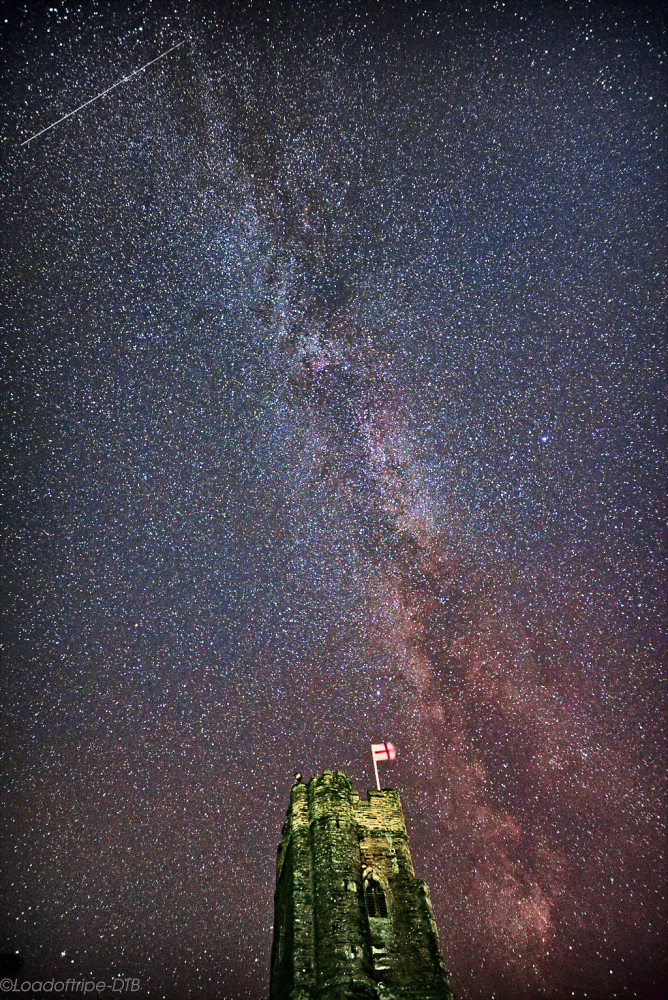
x=383 y=751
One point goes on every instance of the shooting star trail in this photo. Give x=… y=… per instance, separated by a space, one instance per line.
x=107 y=91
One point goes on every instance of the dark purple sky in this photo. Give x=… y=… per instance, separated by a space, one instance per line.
x=335 y=350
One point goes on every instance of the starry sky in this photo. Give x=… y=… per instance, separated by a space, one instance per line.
x=333 y=346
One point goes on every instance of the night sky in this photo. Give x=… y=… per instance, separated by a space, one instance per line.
x=334 y=351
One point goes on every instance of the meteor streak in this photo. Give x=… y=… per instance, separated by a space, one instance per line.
x=107 y=91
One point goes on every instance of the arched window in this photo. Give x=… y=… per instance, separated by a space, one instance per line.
x=376 y=904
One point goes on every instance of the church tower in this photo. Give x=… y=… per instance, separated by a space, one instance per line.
x=351 y=922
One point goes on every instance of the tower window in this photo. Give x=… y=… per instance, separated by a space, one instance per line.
x=376 y=904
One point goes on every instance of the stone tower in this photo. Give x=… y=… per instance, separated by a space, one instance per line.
x=351 y=919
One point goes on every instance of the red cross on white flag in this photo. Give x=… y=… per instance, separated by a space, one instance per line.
x=381 y=751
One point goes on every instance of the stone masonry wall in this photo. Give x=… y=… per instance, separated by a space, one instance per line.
x=405 y=947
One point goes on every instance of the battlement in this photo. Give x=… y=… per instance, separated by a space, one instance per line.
x=341 y=783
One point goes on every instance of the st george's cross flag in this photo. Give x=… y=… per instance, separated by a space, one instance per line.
x=381 y=751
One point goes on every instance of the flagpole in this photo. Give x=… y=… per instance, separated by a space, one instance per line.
x=375 y=767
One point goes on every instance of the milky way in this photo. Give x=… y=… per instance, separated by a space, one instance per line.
x=334 y=353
